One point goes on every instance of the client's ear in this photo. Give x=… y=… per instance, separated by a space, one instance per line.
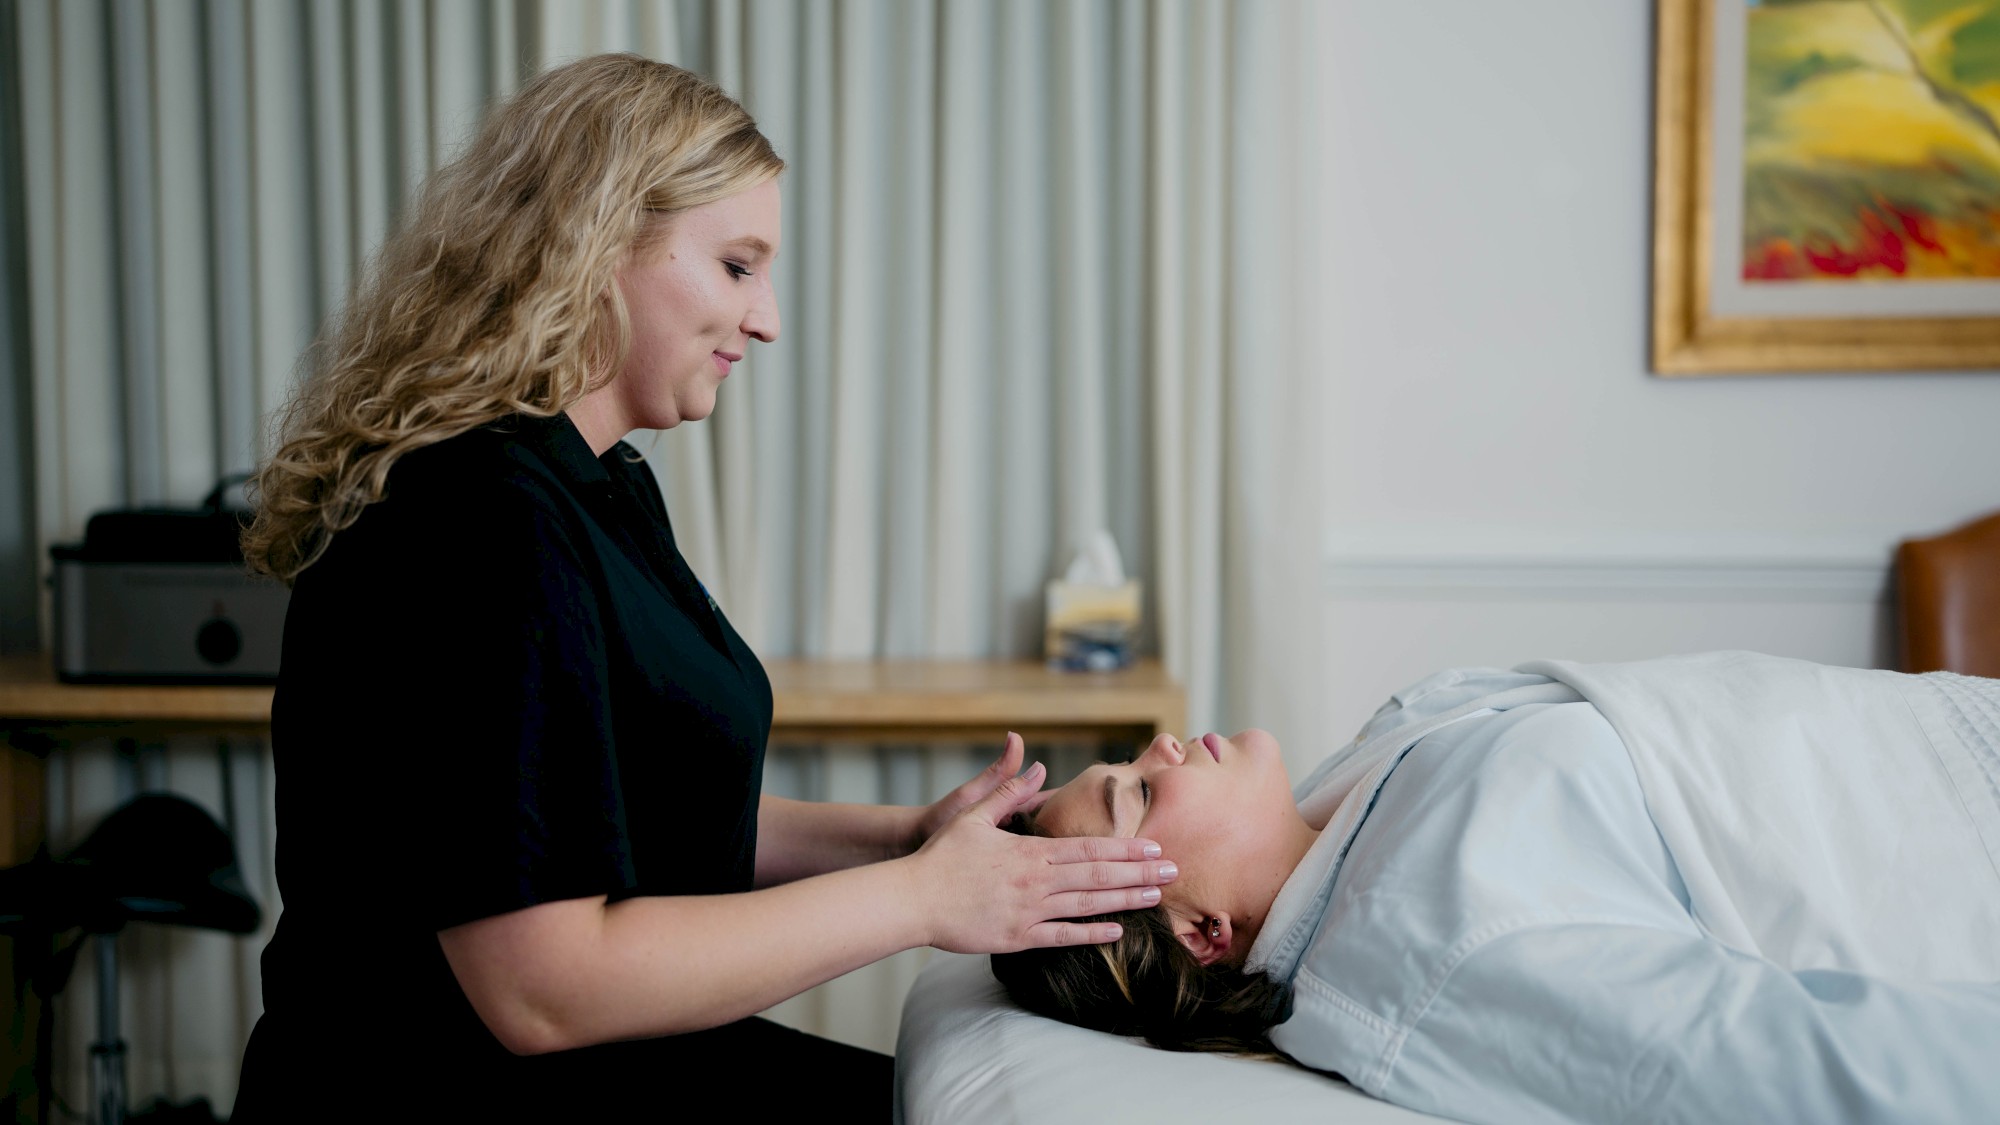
x=1207 y=936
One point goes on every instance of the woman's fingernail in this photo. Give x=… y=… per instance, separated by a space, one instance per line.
x=1169 y=871
x=1115 y=930
x=1150 y=894
x=1152 y=851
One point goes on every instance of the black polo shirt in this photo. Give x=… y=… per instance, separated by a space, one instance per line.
x=502 y=686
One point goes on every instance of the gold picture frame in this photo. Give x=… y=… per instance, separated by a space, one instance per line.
x=1687 y=337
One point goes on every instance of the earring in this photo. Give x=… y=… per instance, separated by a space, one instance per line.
x=1214 y=928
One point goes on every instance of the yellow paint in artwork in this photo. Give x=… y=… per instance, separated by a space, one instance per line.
x=1872 y=117
x=1881 y=113
x=1832 y=28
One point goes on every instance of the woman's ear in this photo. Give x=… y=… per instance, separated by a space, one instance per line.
x=1207 y=936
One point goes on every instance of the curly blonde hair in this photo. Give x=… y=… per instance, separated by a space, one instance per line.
x=497 y=296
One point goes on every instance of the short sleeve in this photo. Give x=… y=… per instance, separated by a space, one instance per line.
x=502 y=710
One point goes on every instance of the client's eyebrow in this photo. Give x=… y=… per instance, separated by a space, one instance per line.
x=1111 y=801
x=756 y=246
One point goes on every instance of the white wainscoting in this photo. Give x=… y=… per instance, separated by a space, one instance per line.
x=1395 y=615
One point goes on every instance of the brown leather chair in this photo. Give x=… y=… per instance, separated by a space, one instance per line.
x=1948 y=600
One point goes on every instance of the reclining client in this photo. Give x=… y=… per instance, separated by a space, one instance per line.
x=1706 y=888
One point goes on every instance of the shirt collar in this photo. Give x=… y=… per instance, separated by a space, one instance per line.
x=557 y=439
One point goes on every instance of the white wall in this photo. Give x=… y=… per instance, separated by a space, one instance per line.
x=1508 y=481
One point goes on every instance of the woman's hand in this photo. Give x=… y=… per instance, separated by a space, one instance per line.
x=938 y=814
x=982 y=889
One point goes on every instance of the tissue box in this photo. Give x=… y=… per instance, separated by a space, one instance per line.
x=1091 y=628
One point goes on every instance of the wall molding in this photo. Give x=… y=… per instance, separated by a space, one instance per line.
x=1845 y=578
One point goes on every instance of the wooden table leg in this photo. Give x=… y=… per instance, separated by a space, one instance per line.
x=23 y=822
x=23 y=800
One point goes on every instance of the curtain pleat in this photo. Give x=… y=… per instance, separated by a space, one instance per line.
x=19 y=569
x=1127 y=430
x=855 y=350
x=1019 y=532
x=906 y=457
x=811 y=298
x=1167 y=82
x=762 y=440
x=1207 y=341
x=232 y=305
x=961 y=441
x=1038 y=279
x=371 y=143
x=459 y=79
x=410 y=35
x=35 y=24
x=1076 y=239
x=287 y=309
x=188 y=430
x=136 y=238
x=91 y=461
x=332 y=200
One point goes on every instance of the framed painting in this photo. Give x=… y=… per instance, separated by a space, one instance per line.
x=1826 y=186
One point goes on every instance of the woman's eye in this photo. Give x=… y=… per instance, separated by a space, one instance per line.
x=736 y=270
x=1146 y=792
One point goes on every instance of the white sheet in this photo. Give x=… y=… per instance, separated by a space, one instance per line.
x=1501 y=932
x=1838 y=818
x=967 y=1054
x=1536 y=956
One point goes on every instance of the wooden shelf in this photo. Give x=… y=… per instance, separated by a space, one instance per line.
x=813 y=701
x=30 y=693
x=969 y=697
x=820 y=695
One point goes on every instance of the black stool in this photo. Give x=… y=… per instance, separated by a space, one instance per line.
x=156 y=858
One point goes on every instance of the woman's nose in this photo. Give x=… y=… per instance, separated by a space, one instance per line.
x=760 y=320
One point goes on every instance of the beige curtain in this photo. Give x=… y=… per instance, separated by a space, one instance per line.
x=1039 y=278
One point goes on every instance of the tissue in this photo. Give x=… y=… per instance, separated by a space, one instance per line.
x=1093 y=611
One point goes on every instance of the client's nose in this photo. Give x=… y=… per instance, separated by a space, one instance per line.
x=1167 y=748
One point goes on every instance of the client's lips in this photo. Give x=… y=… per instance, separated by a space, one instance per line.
x=1213 y=743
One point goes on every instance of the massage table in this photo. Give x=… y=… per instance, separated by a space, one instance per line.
x=967 y=1054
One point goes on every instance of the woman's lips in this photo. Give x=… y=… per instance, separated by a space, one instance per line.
x=1213 y=742
x=721 y=363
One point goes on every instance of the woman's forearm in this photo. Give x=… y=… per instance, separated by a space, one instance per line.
x=567 y=974
x=799 y=839
x=666 y=965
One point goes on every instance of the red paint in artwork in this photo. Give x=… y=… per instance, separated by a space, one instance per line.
x=1887 y=239
x=1919 y=228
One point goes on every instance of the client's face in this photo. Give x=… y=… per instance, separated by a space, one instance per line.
x=1220 y=808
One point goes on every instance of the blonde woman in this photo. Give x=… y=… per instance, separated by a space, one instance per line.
x=525 y=862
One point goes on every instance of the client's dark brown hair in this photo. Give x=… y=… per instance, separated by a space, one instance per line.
x=1148 y=984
